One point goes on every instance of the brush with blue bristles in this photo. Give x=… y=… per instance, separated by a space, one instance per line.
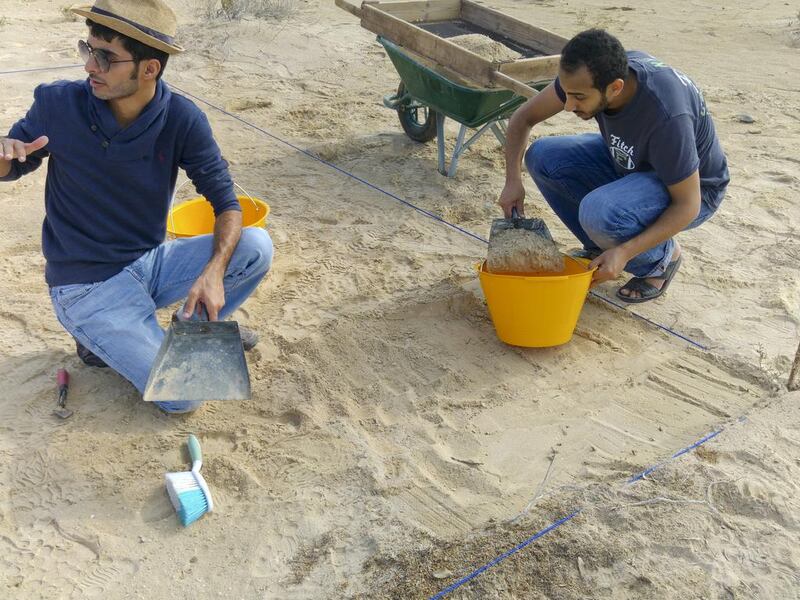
x=188 y=490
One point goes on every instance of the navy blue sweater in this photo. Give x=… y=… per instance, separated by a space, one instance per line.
x=108 y=189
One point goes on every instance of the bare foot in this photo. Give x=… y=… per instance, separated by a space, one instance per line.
x=656 y=282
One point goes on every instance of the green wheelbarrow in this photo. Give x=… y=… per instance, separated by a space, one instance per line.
x=425 y=98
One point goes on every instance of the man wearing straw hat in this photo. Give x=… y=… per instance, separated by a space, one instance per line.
x=115 y=142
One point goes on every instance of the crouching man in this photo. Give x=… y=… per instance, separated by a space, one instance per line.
x=115 y=142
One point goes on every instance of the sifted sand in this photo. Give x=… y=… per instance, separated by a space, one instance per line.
x=392 y=443
x=485 y=47
x=522 y=251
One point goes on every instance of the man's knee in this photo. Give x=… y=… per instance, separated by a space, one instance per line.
x=535 y=157
x=257 y=247
x=600 y=218
x=548 y=154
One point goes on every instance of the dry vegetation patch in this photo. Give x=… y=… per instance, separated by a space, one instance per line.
x=237 y=9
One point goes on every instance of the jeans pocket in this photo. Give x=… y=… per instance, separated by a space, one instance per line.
x=68 y=295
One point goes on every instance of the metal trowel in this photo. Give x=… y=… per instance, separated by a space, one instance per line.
x=199 y=361
x=536 y=226
x=532 y=244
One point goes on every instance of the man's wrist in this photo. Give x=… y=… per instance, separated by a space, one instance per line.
x=630 y=248
x=214 y=268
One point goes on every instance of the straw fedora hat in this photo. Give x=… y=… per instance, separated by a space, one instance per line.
x=150 y=22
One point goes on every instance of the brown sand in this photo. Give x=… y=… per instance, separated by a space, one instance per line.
x=485 y=47
x=522 y=251
x=391 y=439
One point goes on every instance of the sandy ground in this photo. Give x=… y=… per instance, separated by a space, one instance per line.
x=393 y=444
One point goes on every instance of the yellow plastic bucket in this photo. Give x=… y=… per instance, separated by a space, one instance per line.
x=196 y=216
x=536 y=310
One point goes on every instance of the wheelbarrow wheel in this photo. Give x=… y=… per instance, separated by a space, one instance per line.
x=418 y=122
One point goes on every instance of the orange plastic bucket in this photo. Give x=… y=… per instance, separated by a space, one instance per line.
x=536 y=310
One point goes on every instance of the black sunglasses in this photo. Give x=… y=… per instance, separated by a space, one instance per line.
x=104 y=62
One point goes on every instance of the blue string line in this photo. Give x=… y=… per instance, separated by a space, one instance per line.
x=699 y=442
x=332 y=166
x=643 y=318
x=427 y=213
x=436 y=217
x=569 y=517
x=39 y=69
x=505 y=555
x=410 y=205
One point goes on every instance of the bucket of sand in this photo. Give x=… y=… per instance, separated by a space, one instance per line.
x=196 y=216
x=536 y=310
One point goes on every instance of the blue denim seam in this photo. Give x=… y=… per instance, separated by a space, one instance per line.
x=661 y=268
x=135 y=273
x=102 y=353
x=620 y=224
x=89 y=288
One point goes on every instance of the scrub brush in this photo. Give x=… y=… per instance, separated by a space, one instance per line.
x=188 y=490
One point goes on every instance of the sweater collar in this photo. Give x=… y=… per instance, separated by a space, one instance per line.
x=135 y=140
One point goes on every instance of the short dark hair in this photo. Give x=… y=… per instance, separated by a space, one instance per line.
x=600 y=52
x=138 y=50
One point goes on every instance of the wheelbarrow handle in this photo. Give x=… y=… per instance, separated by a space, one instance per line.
x=349 y=7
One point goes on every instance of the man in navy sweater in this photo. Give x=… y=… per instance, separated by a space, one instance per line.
x=115 y=142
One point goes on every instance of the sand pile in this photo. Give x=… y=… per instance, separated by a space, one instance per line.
x=485 y=47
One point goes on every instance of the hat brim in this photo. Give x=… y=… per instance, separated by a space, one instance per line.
x=126 y=29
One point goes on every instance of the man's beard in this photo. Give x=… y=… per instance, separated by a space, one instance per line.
x=603 y=105
x=122 y=90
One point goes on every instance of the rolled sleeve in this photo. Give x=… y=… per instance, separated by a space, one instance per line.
x=204 y=165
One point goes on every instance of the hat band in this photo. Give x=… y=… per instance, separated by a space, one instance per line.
x=167 y=39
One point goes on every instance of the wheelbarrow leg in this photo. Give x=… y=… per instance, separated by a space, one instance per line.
x=498 y=129
x=440 y=141
x=451 y=171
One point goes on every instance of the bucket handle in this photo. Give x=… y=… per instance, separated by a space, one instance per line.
x=179 y=186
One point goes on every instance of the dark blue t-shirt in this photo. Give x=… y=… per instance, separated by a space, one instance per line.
x=665 y=128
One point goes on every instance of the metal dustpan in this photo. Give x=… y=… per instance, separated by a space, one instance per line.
x=199 y=360
x=536 y=226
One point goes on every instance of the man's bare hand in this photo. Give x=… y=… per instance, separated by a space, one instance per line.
x=513 y=196
x=610 y=264
x=207 y=292
x=15 y=149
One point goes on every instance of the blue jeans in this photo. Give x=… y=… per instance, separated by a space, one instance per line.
x=602 y=209
x=116 y=318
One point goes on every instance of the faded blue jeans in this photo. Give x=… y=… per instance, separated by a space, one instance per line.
x=116 y=318
x=576 y=176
